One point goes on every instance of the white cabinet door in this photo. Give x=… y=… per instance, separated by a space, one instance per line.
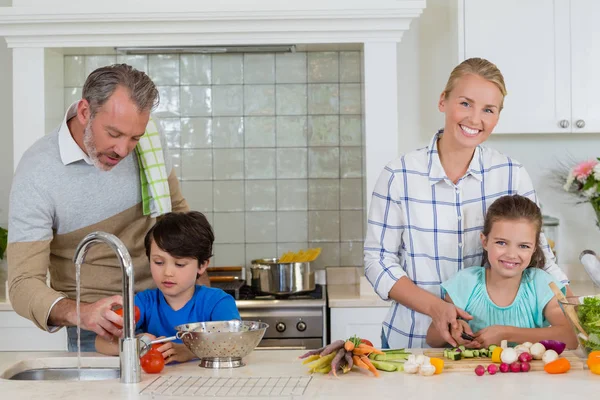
x=20 y=334
x=529 y=42
x=364 y=322
x=585 y=64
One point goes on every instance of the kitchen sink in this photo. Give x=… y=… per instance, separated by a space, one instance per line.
x=67 y=374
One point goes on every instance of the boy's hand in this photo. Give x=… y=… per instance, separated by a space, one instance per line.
x=491 y=335
x=174 y=352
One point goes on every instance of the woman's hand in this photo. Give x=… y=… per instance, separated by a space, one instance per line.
x=444 y=317
x=175 y=352
x=491 y=335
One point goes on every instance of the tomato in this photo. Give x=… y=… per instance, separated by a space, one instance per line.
x=593 y=359
x=119 y=312
x=152 y=362
x=156 y=346
x=367 y=342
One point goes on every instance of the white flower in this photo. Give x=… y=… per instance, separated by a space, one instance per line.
x=591 y=192
x=570 y=180
x=597 y=172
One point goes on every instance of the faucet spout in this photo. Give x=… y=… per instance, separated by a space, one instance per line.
x=129 y=344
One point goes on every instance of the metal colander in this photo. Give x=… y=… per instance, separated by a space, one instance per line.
x=221 y=344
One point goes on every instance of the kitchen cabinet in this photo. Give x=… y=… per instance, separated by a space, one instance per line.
x=545 y=50
x=20 y=334
x=364 y=322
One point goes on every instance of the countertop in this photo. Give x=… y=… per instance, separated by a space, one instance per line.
x=351 y=295
x=273 y=364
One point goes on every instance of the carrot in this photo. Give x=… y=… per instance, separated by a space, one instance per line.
x=310 y=359
x=312 y=352
x=348 y=357
x=349 y=345
x=370 y=366
x=336 y=360
x=321 y=362
x=333 y=346
x=361 y=351
x=371 y=348
x=359 y=363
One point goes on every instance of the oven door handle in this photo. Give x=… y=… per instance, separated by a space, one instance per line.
x=281 y=348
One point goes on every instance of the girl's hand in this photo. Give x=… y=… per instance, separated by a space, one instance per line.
x=444 y=318
x=175 y=352
x=463 y=326
x=491 y=335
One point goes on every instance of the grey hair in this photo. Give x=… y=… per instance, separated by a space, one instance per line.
x=102 y=83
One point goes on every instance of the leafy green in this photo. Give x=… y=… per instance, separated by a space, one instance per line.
x=3 y=241
x=589 y=316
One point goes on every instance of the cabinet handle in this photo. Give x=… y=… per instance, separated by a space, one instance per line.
x=563 y=123
x=580 y=123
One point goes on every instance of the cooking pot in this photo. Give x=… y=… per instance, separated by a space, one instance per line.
x=280 y=279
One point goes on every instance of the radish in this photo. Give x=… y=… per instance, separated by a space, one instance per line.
x=515 y=367
x=525 y=366
x=480 y=370
x=525 y=357
x=492 y=369
x=504 y=367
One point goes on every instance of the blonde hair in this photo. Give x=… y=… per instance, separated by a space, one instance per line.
x=477 y=66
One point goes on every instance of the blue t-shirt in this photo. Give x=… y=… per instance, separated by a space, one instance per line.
x=468 y=291
x=207 y=304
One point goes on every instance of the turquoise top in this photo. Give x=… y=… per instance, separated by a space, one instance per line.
x=468 y=291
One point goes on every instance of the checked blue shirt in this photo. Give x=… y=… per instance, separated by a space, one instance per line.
x=423 y=226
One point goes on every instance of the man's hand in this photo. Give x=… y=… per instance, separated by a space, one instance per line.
x=463 y=326
x=445 y=316
x=100 y=318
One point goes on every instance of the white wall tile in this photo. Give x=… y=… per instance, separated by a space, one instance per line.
x=292 y=131
x=175 y=155
x=261 y=195
x=351 y=253
x=351 y=194
x=171 y=127
x=228 y=255
x=195 y=69
x=323 y=67
x=351 y=130
x=351 y=224
x=323 y=130
x=259 y=99
x=228 y=164
x=199 y=195
x=74 y=75
x=261 y=227
x=196 y=133
x=228 y=132
x=260 y=163
x=329 y=257
x=292 y=99
x=324 y=194
x=259 y=131
x=290 y=68
x=94 y=62
x=259 y=68
x=163 y=69
x=292 y=226
x=350 y=98
x=292 y=163
x=229 y=227
x=292 y=194
x=227 y=69
x=228 y=196
x=350 y=66
x=323 y=162
x=169 y=106
x=351 y=162
x=72 y=95
x=323 y=226
x=228 y=100
x=137 y=61
x=323 y=98
x=196 y=101
x=255 y=251
x=196 y=164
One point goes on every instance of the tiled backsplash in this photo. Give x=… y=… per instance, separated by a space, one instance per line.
x=268 y=146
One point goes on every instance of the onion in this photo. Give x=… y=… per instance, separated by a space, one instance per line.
x=555 y=345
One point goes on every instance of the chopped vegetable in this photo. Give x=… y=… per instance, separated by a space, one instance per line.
x=537 y=350
x=508 y=355
x=555 y=345
x=559 y=366
x=589 y=316
x=384 y=366
x=549 y=356
x=496 y=355
x=438 y=363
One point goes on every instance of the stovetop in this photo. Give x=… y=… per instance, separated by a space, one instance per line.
x=245 y=297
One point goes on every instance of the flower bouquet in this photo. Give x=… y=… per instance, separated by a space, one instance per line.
x=583 y=180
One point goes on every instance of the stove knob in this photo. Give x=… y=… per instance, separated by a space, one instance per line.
x=280 y=327
x=301 y=326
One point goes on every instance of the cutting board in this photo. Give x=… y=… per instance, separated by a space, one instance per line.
x=469 y=364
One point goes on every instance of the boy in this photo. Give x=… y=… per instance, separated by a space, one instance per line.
x=179 y=248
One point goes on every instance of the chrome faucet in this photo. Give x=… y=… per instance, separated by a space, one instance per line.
x=129 y=346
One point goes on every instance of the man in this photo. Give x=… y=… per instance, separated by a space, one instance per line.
x=83 y=178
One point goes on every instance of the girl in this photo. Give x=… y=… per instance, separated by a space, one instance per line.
x=509 y=298
x=428 y=208
x=179 y=247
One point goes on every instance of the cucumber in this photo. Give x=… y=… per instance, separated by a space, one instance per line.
x=390 y=357
x=384 y=366
x=452 y=355
x=462 y=348
x=491 y=348
x=395 y=351
x=468 y=353
x=476 y=353
x=445 y=353
x=483 y=353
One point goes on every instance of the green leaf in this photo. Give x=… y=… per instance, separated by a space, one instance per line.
x=3 y=241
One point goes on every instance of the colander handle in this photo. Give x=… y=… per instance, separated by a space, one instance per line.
x=165 y=339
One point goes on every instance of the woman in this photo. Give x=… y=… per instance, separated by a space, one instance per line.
x=428 y=208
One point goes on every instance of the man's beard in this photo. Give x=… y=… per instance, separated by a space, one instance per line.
x=90 y=146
